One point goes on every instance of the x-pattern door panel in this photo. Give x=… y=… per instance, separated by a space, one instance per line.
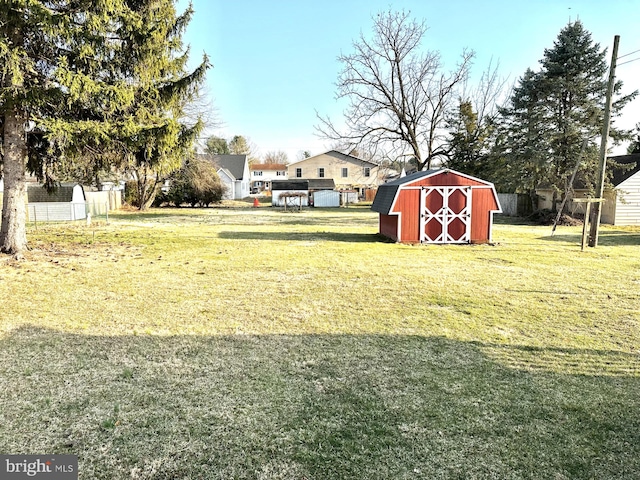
x=445 y=215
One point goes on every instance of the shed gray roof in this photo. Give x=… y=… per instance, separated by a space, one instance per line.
x=234 y=164
x=297 y=184
x=387 y=191
x=38 y=193
x=304 y=184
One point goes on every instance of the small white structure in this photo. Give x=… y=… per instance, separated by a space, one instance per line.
x=66 y=202
x=280 y=188
x=326 y=198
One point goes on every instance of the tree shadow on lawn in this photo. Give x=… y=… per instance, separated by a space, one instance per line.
x=318 y=406
x=303 y=236
x=607 y=238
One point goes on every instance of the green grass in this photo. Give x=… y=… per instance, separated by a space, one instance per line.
x=253 y=343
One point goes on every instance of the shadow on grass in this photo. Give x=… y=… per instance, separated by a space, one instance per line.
x=317 y=407
x=611 y=238
x=303 y=236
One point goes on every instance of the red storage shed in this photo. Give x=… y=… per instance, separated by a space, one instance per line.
x=437 y=206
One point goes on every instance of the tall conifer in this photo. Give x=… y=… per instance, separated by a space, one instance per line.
x=553 y=111
x=94 y=81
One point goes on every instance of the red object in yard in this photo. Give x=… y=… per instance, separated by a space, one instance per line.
x=256 y=203
x=437 y=206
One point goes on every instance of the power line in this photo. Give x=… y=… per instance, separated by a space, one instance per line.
x=629 y=61
x=627 y=54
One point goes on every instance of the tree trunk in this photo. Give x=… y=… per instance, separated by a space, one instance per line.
x=13 y=234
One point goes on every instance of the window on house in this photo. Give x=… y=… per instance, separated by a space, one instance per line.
x=298 y=173
x=258 y=173
x=321 y=172
x=367 y=171
x=345 y=172
x=279 y=174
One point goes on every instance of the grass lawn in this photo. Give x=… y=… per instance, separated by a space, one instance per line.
x=252 y=343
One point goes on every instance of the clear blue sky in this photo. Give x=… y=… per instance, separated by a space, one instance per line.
x=275 y=61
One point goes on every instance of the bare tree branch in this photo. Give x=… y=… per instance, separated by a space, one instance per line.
x=398 y=95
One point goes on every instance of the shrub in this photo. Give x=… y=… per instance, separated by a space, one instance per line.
x=196 y=183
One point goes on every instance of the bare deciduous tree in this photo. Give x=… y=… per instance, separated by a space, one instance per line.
x=398 y=94
x=278 y=157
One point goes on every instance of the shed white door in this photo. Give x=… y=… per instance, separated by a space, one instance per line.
x=445 y=214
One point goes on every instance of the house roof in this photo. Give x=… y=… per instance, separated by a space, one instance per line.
x=234 y=164
x=268 y=166
x=62 y=193
x=339 y=155
x=631 y=166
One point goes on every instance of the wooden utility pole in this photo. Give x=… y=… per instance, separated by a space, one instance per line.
x=597 y=210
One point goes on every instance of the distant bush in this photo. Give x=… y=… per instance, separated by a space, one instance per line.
x=196 y=183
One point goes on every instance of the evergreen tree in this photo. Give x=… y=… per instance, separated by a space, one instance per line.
x=84 y=81
x=634 y=147
x=553 y=111
x=153 y=130
x=54 y=62
x=469 y=142
x=239 y=146
x=196 y=183
x=217 y=146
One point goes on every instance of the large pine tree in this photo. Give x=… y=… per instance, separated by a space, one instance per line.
x=554 y=111
x=52 y=57
x=92 y=82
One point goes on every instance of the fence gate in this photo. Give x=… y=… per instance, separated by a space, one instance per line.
x=445 y=214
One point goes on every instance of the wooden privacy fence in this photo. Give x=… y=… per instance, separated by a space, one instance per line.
x=515 y=204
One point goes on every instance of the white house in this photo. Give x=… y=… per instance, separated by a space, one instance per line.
x=262 y=174
x=234 y=173
x=622 y=203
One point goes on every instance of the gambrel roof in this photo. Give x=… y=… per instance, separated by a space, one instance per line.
x=388 y=192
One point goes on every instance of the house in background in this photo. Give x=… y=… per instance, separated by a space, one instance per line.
x=348 y=172
x=622 y=202
x=234 y=173
x=622 y=197
x=262 y=174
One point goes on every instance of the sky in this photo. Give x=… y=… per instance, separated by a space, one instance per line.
x=275 y=62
